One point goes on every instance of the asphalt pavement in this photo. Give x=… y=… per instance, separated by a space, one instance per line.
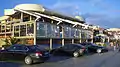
x=109 y=59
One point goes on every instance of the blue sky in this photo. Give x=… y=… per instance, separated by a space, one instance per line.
x=105 y=13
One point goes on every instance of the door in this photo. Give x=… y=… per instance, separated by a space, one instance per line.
x=8 y=53
x=20 y=52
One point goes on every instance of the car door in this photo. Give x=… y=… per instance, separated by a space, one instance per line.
x=92 y=48
x=68 y=48
x=8 y=53
x=20 y=52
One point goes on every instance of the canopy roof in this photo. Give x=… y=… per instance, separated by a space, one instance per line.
x=41 y=9
x=30 y=7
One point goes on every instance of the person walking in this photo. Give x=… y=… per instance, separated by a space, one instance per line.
x=114 y=47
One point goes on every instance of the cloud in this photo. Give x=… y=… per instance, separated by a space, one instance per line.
x=97 y=12
x=102 y=20
x=66 y=7
x=77 y=7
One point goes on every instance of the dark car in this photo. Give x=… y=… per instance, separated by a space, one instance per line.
x=5 y=46
x=91 y=47
x=29 y=54
x=71 y=49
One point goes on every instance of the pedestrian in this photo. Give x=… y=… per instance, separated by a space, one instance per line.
x=114 y=47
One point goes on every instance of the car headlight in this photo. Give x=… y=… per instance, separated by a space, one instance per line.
x=99 y=50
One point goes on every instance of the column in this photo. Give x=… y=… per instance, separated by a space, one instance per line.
x=63 y=36
x=35 y=32
x=72 y=41
x=50 y=43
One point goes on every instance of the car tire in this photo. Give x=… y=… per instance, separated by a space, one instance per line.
x=28 y=60
x=76 y=54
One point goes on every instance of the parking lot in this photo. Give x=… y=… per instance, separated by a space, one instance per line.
x=109 y=59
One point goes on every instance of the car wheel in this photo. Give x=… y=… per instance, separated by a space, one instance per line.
x=99 y=50
x=76 y=54
x=28 y=60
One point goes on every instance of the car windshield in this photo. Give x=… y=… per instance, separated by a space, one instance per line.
x=79 y=45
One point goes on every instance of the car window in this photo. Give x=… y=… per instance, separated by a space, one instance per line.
x=68 y=47
x=24 y=48
x=18 y=48
x=65 y=47
x=36 y=47
x=12 y=48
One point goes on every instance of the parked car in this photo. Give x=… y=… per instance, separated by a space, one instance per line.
x=71 y=49
x=95 y=48
x=5 y=46
x=30 y=54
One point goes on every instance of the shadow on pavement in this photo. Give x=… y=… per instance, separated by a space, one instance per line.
x=9 y=64
x=52 y=59
x=58 y=58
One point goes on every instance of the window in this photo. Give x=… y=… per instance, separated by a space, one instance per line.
x=22 y=30
x=77 y=33
x=41 y=29
x=50 y=30
x=73 y=32
x=30 y=29
x=67 y=31
x=47 y=30
x=57 y=31
x=68 y=47
x=83 y=34
x=18 y=48
x=16 y=31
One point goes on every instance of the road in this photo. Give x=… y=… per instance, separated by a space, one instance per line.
x=109 y=59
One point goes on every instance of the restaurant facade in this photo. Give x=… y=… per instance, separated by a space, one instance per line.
x=35 y=25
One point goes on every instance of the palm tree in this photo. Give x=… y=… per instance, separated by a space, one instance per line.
x=11 y=41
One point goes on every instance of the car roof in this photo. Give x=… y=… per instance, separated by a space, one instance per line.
x=75 y=45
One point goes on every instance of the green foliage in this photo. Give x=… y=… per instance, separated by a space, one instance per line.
x=11 y=41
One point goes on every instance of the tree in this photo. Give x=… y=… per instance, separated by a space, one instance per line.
x=11 y=41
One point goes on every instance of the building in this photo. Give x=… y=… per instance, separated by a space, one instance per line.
x=33 y=24
x=114 y=33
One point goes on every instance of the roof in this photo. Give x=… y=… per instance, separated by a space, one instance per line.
x=53 y=13
x=41 y=9
x=30 y=7
x=4 y=18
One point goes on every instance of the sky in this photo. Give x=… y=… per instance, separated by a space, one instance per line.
x=104 y=13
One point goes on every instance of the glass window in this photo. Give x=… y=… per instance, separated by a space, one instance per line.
x=16 y=31
x=68 y=47
x=73 y=32
x=50 y=30
x=8 y=28
x=80 y=33
x=67 y=31
x=57 y=31
x=22 y=30
x=70 y=32
x=15 y=48
x=77 y=33
x=3 y=28
x=83 y=34
x=41 y=29
x=30 y=29
x=18 y=48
